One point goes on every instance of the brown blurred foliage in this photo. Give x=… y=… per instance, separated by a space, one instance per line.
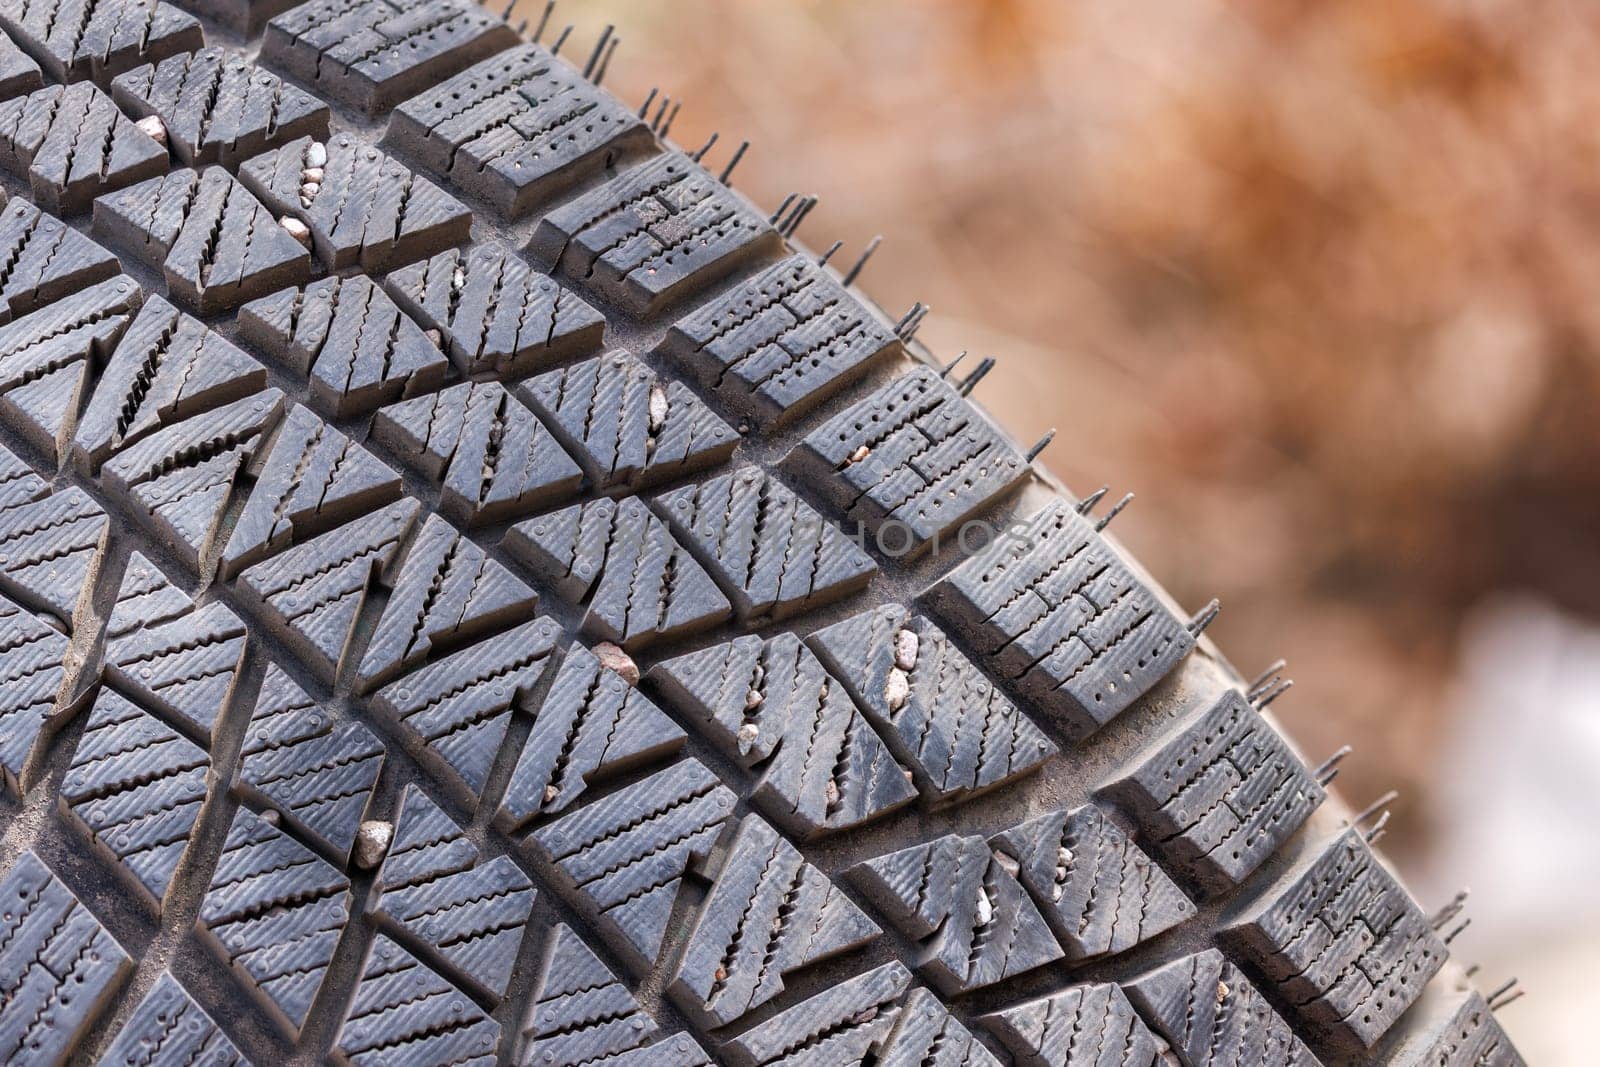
x=1317 y=280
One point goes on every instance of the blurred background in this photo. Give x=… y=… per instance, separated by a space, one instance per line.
x=1321 y=283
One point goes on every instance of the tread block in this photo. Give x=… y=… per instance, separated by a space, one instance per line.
x=1059 y=613
x=212 y=240
x=31 y=680
x=581 y=1014
x=168 y=367
x=1088 y=1025
x=496 y=313
x=472 y=920
x=1097 y=890
x=427 y=844
x=617 y=559
x=168 y=1029
x=974 y=921
x=652 y=234
x=358 y=350
x=448 y=591
x=42 y=260
x=770 y=706
x=405 y=1013
x=19 y=74
x=275 y=912
x=769 y=913
x=1460 y=1030
x=60 y=968
x=844 y=1024
x=182 y=476
x=1220 y=796
x=50 y=550
x=76 y=40
x=1343 y=942
x=625 y=426
x=1209 y=1014
x=312 y=479
x=72 y=144
x=318 y=773
x=455 y=711
x=767 y=547
x=135 y=786
x=779 y=344
x=493 y=457
x=590 y=724
x=909 y=462
x=312 y=592
x=180 y=659
x=626 y=854
x=376 y=213
x=372 y=54
x=943 y=718
x=47 y=358
x=219 y=108
x=516 y=129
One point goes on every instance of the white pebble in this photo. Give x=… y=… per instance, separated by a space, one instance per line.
x=458 y=279
x=985 y=907
x=311 y=174
x=753 y=699
x=297 y=229
x=658 y=408
x=748 y=733
x=619 y=662
x=859 y=454
x=372 y=843
x=317 y=155
x=310 y=189
x=154 y=128
x=905 y=649
x=898 y=689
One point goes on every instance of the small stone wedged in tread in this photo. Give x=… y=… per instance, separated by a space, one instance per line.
x=1220 y=795
x=772 y=554
x=375 y=212
x=59 y=968
x=1098 y=891
x=954 y=728
x=1062 y=615
x=317 y=773
x=625 y=855
x=454 y=712
x=1343 y=942
x=99 y=39
x=771 y=707
x=135 y=786
x=652 y=234
x=218 y=107
x=1210 y=1014
x=72 y=143
x=349 y=339
x=975 y=923
x=776 y=346
x=769 y=913
x=405 y=1015
x=517 y=129
x=371 y=54
x=590 y=724
x=275 y=912
x=1081 y=1026
x=637 y=584
x=168 y=1029
x=625 y=426
x=496 y=313
x=908 y=463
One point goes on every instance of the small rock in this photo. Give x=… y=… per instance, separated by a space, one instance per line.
x=658 y=408
x=985 y=907
x=897 y=690
x=154 y=128
x=905 y=649
x=305 y=201
x=372 y=843
x=614 y=659
x=270 y=816
x=297 y=229
x=550 y=794
x=831 y=793
x=316 y=155
x=748 y=733
x=435 y=336
x=1222 y=992
x=458 y=280
x=310 y=189
x=753 y=699
x=858 y=455
x=312 y=174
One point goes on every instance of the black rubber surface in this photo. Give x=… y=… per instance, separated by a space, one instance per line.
x=475 y=590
